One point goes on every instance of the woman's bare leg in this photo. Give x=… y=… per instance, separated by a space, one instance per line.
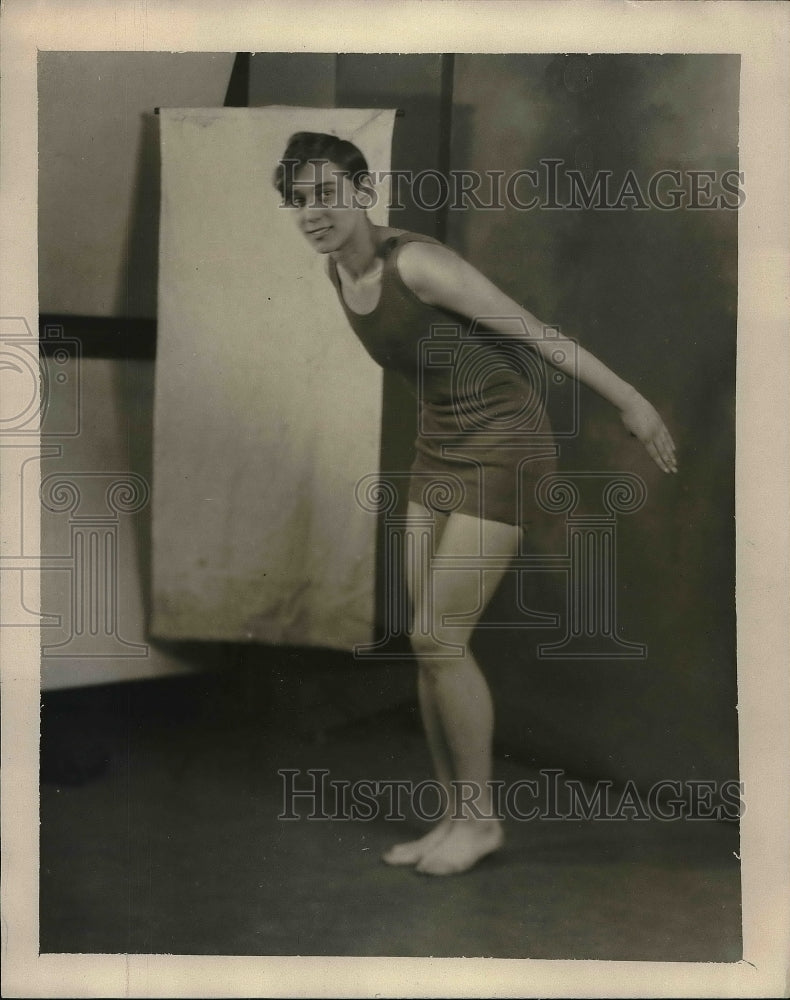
x=412 y=851
x=455 y=699
x=461 y=693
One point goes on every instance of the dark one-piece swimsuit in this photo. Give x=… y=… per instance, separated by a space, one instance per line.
x=483 y=435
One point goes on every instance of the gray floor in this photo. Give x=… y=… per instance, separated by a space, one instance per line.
x=176 y=848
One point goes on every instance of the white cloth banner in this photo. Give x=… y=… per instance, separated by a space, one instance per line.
x=267 y=407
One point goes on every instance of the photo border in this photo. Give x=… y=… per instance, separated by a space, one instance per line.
x=761 y=34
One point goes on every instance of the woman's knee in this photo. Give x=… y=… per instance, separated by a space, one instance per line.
x=435 y=648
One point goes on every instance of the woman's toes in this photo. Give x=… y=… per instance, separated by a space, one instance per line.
x=465 y=845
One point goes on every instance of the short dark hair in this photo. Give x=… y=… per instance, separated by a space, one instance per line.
x=304 y=147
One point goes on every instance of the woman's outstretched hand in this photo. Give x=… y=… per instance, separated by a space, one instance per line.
x=643 y=422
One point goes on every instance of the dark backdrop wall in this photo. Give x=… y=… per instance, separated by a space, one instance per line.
x=652 y=293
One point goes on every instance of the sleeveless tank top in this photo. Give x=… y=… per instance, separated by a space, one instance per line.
x=398 y=332
x=477 y=410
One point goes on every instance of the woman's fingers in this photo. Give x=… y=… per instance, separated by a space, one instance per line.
x=667 y=449
x=655 y=454
x=661 y=450
x=666 y=441
x=656 y=439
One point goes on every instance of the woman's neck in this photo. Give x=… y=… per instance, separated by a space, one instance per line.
x=358 y=255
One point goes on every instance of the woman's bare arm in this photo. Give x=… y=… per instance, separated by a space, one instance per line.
x=439 y=277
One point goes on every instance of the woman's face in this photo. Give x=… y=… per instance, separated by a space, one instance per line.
x=327 y=204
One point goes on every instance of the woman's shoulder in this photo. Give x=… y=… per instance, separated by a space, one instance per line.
x=421 y=263
x=391 y=241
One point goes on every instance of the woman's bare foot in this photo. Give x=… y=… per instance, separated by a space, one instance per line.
x=463 y=846
x=413 y=851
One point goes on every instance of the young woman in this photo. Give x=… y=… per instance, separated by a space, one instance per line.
x=395 y=286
